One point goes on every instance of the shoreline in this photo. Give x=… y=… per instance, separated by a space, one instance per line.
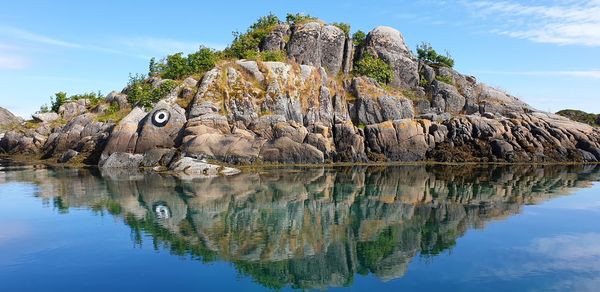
x=32 y=160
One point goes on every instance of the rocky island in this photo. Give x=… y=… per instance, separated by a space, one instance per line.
x=300 y=92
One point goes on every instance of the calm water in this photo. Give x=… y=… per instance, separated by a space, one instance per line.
x=458 y=228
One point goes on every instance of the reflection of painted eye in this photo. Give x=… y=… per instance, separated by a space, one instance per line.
x=160 y=118
x=162 y=211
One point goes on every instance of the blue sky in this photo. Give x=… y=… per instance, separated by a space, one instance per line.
x=546 y=52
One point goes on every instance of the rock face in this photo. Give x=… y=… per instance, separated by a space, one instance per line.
x=318 y=45
x=388 y=44
x=7 y=118
x=308 y=111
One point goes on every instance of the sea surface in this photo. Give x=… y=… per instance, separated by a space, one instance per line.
x=422 y=228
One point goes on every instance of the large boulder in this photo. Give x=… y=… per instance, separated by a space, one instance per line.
x=45 y=117
x=123 y=137
x=318 y=45
x=388 y=44
x=123 y=160
x=286 y=150
x=401 y=140
x=7 y=118
x=82 y=134
x=72 y=109
x=161 y=128
x=374 y=105
x=188 y=167
x=276 y=39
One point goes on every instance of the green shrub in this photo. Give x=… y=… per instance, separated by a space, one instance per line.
x=298 y=18
x=246 y=45
x=375 y=68
x=92 y=97
x=444 y=78
x=202 y=60
x=272 y=56
x=427 y=53
x=59 y=99
x=359 y=38
x=154 y=68
x=177 y=66
x=345 y=27
x=44 y=109
x=141 y=93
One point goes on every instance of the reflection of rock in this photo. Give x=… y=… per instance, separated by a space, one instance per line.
x=317 y=227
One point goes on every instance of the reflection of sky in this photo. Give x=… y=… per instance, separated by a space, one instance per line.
x=12 y=230
x=587 y=199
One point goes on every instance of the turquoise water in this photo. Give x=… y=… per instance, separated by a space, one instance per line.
x=426 y=228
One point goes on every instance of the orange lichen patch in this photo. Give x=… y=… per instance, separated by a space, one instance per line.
x=386 y=125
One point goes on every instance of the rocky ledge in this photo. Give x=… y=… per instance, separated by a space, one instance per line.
x=308 y=110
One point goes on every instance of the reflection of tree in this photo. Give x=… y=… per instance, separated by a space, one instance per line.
x=313 y=228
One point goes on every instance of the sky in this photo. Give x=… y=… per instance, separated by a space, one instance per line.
x=545 y=52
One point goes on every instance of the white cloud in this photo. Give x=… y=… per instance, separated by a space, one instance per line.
x=562 y=22
x=13 y=62
x=25 y=35
x=33 y=37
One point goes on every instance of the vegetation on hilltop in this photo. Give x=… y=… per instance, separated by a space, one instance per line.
x=61 y=98
x=426 y=53
x=245 y=45
x=581 y=116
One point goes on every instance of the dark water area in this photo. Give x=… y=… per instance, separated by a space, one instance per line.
x=426 y=228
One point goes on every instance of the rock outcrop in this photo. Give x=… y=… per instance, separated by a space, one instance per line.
x=309 y=110
x=7 y=118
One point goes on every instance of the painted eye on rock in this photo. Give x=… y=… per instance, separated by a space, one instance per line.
x=160 y=118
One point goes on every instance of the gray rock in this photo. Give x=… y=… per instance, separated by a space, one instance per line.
x=123 y=137
x=45 y=117
x=317 y=45
x=286 y=150
x=67 y=156
x=252 y=68
x=123 y=160
x=120 y=99
x=72 y=109
x=157 y=157
x=161 y=128
x=7 y=118
x=188 y=167
x=276 y=39
x=501 y=148
x=373 y=105
x=388 y=44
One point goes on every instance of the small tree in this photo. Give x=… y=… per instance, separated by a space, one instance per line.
x=345 y=27
x=202 y=60
x=154 y=68
x=176 y=66
x=59 y=99
x=359 y=38
x=427 y=53
x=298 y=18
x=375 y=68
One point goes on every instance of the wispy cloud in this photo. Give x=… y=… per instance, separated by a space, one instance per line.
x=594 y=74
x=561 y=22
x=13 y=62
x=25 y=35
x=38 y=38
